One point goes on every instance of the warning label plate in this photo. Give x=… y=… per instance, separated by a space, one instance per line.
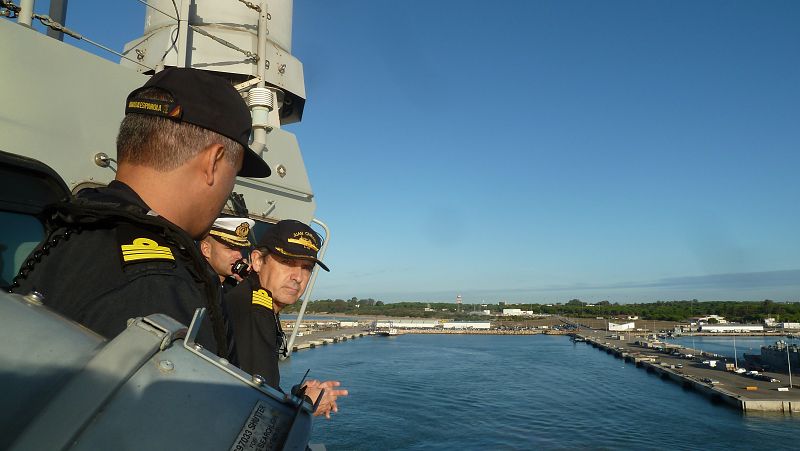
x=258 y=432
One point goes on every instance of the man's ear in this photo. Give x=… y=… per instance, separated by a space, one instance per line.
x=256 y=260
x=211 y=158
x=205 y=248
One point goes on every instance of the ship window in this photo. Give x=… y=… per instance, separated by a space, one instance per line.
x=20 y=235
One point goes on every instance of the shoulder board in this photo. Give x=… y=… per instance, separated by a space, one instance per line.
x=137 y=245
x=263 y=298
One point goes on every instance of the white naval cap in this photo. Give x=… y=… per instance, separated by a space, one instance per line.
x=232 y=231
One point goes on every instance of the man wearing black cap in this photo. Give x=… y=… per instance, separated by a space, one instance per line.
x=282 y=264
x=127 y=250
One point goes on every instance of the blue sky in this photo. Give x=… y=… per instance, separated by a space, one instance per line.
x=546 y=150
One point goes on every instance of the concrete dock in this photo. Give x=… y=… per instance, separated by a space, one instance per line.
x=311 y=340
x=736 y=390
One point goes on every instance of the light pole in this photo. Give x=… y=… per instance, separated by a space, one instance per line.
x=789 y=362
x=735 y=358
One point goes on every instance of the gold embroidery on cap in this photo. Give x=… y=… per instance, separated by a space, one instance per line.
x=230 y=238
x=243 y=230
x=144 y=105
x=304 y=241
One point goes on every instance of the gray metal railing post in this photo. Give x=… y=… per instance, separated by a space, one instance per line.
x=26 y=13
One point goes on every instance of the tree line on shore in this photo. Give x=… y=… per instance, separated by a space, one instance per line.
x=735 y=311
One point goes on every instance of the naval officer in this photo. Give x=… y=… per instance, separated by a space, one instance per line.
x=282 y=261
x=127 y=250
x=224 y=247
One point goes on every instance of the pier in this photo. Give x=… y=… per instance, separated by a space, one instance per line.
x=736 y=390
x=719 y=384
x=311 y=340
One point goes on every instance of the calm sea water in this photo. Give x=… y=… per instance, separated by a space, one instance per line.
x=421 y=392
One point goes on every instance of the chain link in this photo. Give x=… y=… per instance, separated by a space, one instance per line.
x=47 y=21
x=10 y=9
x=37 y=256
x=251 y=5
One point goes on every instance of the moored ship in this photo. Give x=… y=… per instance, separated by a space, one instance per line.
x=778 y=357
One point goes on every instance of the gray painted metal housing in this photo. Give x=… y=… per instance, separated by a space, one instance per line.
x=65 y=387
x=66 y=117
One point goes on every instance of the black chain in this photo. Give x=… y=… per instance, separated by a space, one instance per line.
x=13 y=10
x=37 y=256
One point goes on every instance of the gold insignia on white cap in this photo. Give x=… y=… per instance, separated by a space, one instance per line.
x=232 y=231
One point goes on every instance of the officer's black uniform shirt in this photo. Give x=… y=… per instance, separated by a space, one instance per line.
x=228 y=284
x=256 y=328
x=104 y=272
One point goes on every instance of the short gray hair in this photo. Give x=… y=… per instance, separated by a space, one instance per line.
x=165 y=144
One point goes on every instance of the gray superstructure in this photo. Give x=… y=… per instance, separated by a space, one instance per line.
x=152 y=387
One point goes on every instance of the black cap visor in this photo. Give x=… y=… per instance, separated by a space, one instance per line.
x=253 y=166
x=283 y=252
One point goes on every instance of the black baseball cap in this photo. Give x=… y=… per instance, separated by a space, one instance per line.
x=293 y=239
x=205 y=100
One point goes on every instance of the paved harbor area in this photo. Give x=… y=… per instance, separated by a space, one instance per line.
x=324 y=337
x=738 y=390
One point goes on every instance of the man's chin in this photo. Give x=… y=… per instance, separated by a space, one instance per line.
x=285 y=301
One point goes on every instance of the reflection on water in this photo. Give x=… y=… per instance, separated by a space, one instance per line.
x=516 y=392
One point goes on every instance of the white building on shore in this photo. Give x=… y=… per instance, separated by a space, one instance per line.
x=621 y=327
x=406 y=323
x=705 y=319
x=517 y=312
x=731 y=328
x=468 y=325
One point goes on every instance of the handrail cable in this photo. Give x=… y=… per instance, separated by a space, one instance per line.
x=153 y=7
x=48 y=22
x=247 y=53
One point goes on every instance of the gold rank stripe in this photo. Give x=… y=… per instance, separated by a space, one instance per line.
x=232 y=239
x=303 y=242
x=145 y=249
x=262 y=298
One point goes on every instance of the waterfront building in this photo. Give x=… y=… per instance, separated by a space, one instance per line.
x=463 y=325
x=517 y=312
x=789 y=325
x=481 y=312
x=615 y=327
x=706 y=319
x=407 y=323
x=731 y=328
